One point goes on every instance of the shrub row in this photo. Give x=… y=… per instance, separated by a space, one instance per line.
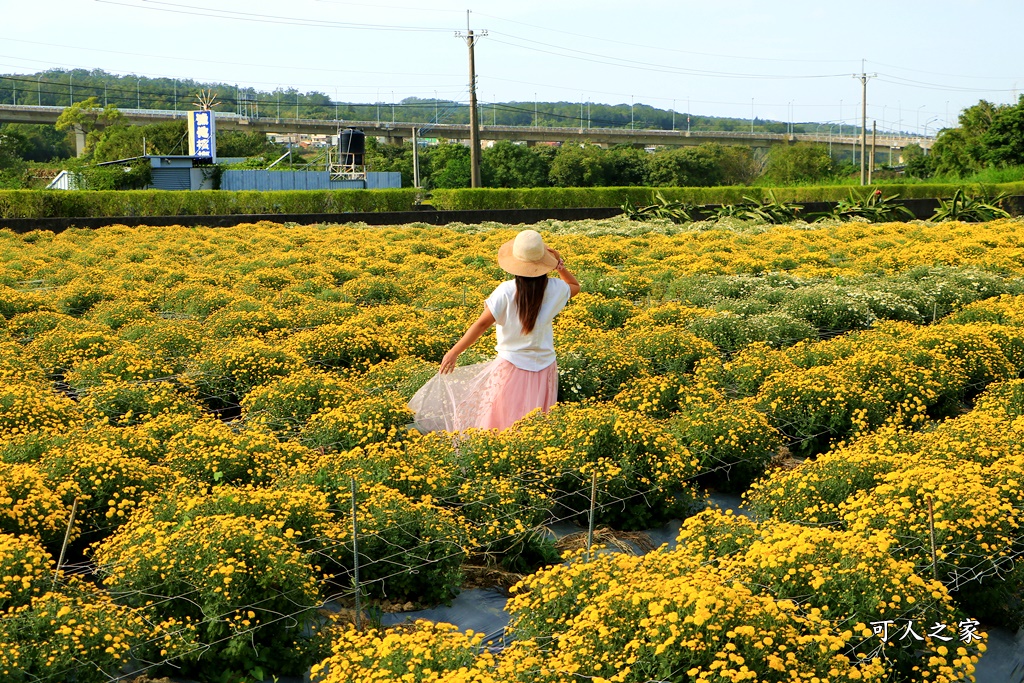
x=97 y=203
x=91 y=203
x=581 y=197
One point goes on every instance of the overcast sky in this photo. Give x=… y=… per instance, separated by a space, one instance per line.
x=781 y=60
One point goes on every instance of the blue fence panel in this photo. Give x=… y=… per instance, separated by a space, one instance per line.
x=235 y=180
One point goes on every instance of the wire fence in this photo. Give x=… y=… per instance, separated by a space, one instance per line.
x=603 y=495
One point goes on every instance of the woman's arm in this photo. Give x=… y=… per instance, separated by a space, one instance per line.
x=475 y=331
x=567 y=277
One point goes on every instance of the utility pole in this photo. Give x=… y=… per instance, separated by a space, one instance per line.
x=863 y=122
x=474 y=122
x=415 y=160
x=874 y=134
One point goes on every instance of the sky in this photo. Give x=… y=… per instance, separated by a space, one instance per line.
x=782 y=61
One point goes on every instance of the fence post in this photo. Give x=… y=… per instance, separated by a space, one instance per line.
x=64 y=546
x=931 y=535
x=355 y=558
x=593 y=497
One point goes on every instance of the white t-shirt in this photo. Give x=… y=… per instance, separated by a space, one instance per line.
x=536 y=350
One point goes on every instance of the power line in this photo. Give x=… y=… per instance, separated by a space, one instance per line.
x=947 y=75
x=179 y=58
x=648 y=66
x=268 y=18
x=666 y=49
x=938 y=86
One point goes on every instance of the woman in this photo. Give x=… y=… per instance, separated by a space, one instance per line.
x=524 y=375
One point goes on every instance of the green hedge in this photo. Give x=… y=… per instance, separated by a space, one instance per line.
x=581 y=197
x=98 y=203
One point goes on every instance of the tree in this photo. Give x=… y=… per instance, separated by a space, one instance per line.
x=124 y=142
x=802 y=162
x=38 y=142
x=916 y=163
x=449 y=166
x=88 y=116
x=391 y=158
x=951 y=153
x=575 y=166
x=237 y=143
x=507 y=164
x=687 y=167
x=625 y=166
x=1004 y=138
x=961 y=151
x=11 y=164
x=738 y=164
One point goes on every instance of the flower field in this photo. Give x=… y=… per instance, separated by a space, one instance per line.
x=215 y=421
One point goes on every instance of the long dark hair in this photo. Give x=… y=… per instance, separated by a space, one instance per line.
x=529 y=297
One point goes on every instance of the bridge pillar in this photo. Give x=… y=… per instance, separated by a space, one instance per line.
x=396 y=140
x=79 y=140
x=531 y=143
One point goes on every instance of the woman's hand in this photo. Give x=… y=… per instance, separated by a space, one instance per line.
x=448 y=362
x=555 y=253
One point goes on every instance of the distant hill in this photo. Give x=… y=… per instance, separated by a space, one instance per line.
x=59 y=88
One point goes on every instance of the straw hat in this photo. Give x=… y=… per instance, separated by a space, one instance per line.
x=526 y=255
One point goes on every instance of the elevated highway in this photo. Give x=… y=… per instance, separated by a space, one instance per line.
x=398 y=132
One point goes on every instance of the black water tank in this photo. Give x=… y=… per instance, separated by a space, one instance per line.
x=352 y=146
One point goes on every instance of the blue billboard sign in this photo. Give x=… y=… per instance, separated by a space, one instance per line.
x=202 y=140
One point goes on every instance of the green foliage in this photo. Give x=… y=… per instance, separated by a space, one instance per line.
x=509 y=165
x=732 y=332
x=829 y=308
x=770 y=210
x=449 y=166
x=86 y=203
x=123 y=142
x=11 y=164
x=117 y=177
x=1004 y=140
x=802 y=162
x=873 y=206
x=237 y=143
x=917 y=164
x=92 y=119
x=988 y=134
x=962 y=207
x=35 y=142
x=677 y=212
x=706 y=165
x=577 y=166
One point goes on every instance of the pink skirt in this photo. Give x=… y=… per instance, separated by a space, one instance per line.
x=490 y=395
